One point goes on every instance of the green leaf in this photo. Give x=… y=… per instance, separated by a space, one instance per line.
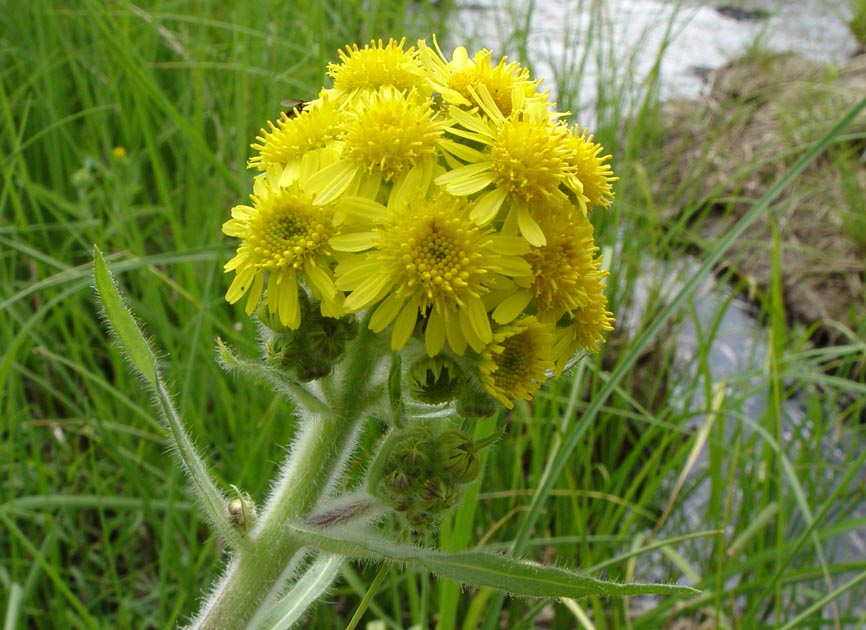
x=309 y=588
x=134 y=343
x=526 y=579
x=121 y=320
x=278 y=380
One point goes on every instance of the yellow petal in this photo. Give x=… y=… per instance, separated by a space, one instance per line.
x=321 y=281
x=332 y=181
x=466 y=180
x=404 y=326
x=511 y=307
x=456 y=339
x=434 y=337
x=354 y=271
x=529 y=228
x=487 y=206
x=385 y=313
x=240 y=284
x=368 y=292
x=290 y=314
x=473 y=123
x=363 y=209
x=255 y=292
x=509 y=245
x=478 y=319
x=356 y=242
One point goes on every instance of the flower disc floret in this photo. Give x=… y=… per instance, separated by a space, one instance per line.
x=376 y=65
x=284 y=236
x=518 y=360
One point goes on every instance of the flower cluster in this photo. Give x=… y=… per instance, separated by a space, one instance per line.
x=445 y=197
x=423 y=470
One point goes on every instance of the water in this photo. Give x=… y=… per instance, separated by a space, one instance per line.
x=624 y=39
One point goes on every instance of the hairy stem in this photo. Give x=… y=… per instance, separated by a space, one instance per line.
x=258 y=573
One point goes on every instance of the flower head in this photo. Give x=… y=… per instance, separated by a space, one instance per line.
x=583 y=330
x=285 y=143
x=592 y=169
x=525 y=160
x=376 y=65
x=565 y=270
x=518 y=360
x=284 y=238
x=431 y=262
x=460 y=79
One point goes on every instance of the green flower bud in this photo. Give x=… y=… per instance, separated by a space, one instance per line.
x=270 y=320
x=280 y=351
x=241 y=512
x=435 y=380
x=328 y=336
x=399 y=480
x=456 y=452
x=437 y=495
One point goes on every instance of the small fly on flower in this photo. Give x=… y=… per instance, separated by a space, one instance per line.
x=293 y=106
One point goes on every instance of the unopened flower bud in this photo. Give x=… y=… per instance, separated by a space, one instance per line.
x=268 y=319
x=241 y=512
x=280 y=350
x=456 y=451
x=435 y=380
x=328 y=336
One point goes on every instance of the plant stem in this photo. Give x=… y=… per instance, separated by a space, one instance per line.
x=257 y=575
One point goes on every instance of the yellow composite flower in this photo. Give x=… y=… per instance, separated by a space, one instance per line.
x=376 y=65
x=566 y=270
x=446 y=196
x=592 y=169
x=458 y=80
x=584 y=328
x=429 y=261
x=282 y=146
x=524 y=160
x=386 y=136
x=284 y=239
x=518 y=360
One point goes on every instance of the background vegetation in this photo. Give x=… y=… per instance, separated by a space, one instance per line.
x=128 y=126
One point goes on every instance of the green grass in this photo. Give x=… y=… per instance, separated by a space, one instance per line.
x=97 y=525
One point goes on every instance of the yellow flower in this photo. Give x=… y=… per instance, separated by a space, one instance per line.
x=284 y=236
x=283 y=145
x=429 y=261
x=592 y=170
x=518 y=360
x=583 y=329
x=386 y=136
x=565 y=271
x=375 y=66
x=459 y=80
x=525 y=160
